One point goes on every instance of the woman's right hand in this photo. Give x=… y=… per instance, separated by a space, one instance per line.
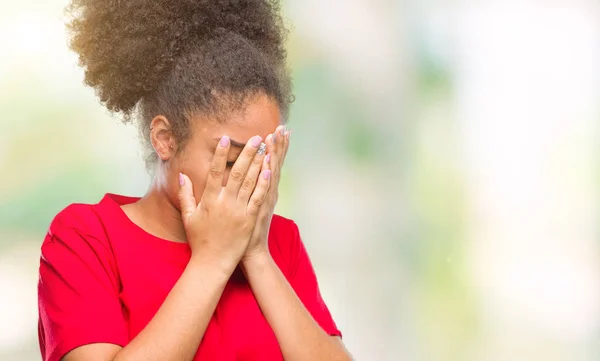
x=219 y=227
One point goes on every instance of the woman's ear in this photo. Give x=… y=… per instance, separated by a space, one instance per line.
x=161 y=137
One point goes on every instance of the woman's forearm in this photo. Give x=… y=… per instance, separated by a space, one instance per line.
x=300 y=337
x=177 y=328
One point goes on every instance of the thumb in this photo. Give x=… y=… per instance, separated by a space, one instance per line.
x=187 y=202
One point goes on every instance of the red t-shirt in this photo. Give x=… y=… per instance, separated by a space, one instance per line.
x=102 y=279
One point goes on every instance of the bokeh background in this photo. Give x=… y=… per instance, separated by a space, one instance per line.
x=443 y=171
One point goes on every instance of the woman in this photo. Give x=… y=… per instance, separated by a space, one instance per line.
x=199 y=268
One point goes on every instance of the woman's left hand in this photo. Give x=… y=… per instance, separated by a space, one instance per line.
x=277 y=146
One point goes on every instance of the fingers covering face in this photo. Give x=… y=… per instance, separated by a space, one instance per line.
x=217 y=168
x=242 y=165
x=250 y=181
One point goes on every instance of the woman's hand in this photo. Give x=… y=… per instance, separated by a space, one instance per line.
x=218 y=229
x=277 y=146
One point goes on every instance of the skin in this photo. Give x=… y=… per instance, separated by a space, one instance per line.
x=224 y=213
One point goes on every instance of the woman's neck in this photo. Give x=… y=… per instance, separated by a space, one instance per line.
x=156 y=214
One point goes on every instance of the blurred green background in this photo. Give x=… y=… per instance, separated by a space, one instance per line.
x=443 y=170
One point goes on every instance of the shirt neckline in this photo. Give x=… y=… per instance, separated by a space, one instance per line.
x=113 y=202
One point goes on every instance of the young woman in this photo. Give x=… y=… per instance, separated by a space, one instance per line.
x=199 y=268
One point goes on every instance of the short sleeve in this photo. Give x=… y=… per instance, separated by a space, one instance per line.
x=78 y=292
x=303 y=280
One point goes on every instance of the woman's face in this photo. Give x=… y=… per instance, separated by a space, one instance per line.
x=260 y=117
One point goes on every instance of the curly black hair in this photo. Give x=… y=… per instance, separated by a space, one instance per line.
x=180 y=57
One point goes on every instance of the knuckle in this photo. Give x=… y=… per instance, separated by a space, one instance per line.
x=215 y=172
x=236 y=175
x=257 y=202
x=248 y=184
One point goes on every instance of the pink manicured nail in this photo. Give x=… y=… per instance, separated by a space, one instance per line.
x=224 y=142
x=267 y=174
x=181 y=179
x=282 y=131
x=255 y=141
x=268 y=157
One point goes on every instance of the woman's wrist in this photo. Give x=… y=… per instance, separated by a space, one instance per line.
x=256 y=259
x=203 y=262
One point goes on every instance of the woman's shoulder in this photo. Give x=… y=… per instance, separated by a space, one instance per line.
x=92 y=217
x=77 y=216
x=84 y=219
x=284 y=242
x=281 y=222
x=282 y=228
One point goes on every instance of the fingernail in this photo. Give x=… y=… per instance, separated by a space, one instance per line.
x=274 y=138
x=268 y=157
x=266 y=174
x=181 y=179
x=255 y=141
x=282 y=131
x=288 y=135
x=224 y=142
